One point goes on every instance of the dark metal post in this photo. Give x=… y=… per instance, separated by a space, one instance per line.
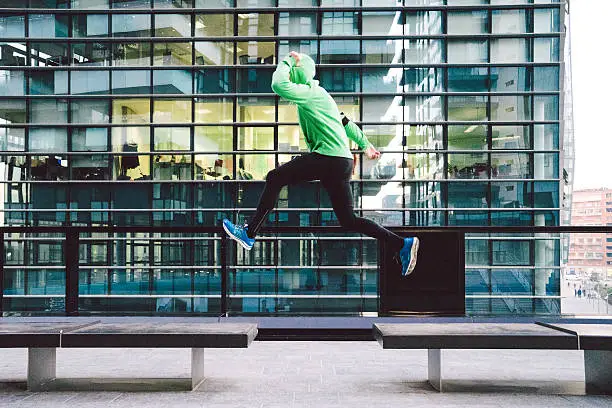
x=2 y=255
x=223 y=275
x=71 y=254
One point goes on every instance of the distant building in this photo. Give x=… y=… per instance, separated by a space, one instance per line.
x=590 y=255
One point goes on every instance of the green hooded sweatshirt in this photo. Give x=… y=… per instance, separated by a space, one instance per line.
x=318 y=113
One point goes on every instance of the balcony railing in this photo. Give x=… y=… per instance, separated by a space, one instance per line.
x=73 y=239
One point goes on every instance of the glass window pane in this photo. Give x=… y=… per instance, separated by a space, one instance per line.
x=172 y=111
x=340 y=23
x=12 y=25
x=131 y=25
x=89 y=139
x=214 y=110
x=214 y=25
x=467 y=108
x=378 y=51
x=512 y=194
x=421 y=22
x=13 y=111
x=377 y=109
x=12 y=54
x=213 y=139
x=510 y=108
x=91 y=54
x=255 y=138
x=467 y=22
x=89 y=111
x=546 y=20
x=339 y=52
x=170 y=138
x=546 y=107
x=290 y=139
x=420 y=137
x=214 y=81
x=47 y=139
x=12 y=139
x=123 y=4
x=255 y=80
x=258 y=165
x=546 y=166
x=511 y=137
x=255 y=3
x=173 y=25
x=509 y=21
x=129 y=141
x=255 y=24
x=131 y=111
x=510 y=79
x=297 y=3
x=467 y=52
x=175 y=81
x=130 y=54
x=377 y=22
x=419 y=108
x=12 y=83
x=505 y=50
x=89 y=82
x=467 y=195
x=90 y=25
x=467 y=137
x=255 y=52
x=421 y=80
x=255 y=109
x=49 y=54
x=468 y=80
x=347 y=79
x=468 y=166
x=546 y=78
x=546 y=49
x=165 y=54
x=48 y=25
x=545 y=137
x=297 y=23
x=48 y=111
x=546 y=194
x=422 y=52
x=511 y=165
x=131 y=82
x=214 y=53
x=308 y=47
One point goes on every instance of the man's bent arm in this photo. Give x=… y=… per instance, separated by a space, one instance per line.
x=356 y=135
x=283 y=87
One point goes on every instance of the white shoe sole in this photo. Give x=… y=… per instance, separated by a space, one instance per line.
x=413 y=256
x=232 y=236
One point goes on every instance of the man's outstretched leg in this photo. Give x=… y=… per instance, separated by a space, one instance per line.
x=336 y=183
x=303 y=168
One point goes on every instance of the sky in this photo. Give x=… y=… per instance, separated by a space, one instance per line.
x=591 y=40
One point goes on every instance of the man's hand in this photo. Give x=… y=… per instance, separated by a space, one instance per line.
x=295 y=56
x=372 y=153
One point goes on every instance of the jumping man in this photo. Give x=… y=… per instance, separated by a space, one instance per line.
x=327 y=135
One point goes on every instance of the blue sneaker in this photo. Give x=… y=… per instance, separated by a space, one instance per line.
x=408 y=255
x=238 y=233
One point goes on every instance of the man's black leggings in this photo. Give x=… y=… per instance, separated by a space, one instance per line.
x=334 y=173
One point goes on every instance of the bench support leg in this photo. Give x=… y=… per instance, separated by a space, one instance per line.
x=598 y=371
x=41 y=367
x=434 y=368
x=197 y=367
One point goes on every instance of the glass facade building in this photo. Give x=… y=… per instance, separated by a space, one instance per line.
x=160 y=112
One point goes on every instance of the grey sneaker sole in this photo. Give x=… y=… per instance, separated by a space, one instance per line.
x=413 y=256
x=238 y=240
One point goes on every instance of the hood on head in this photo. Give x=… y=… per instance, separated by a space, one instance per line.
x=305 y=72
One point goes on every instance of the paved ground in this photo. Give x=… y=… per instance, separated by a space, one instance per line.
x=311 y=374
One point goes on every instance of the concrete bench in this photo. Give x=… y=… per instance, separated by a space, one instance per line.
x=596 y=341
x=43 y=339
x=436 y=338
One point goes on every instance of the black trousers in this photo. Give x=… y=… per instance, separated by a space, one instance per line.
x=334 y=174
